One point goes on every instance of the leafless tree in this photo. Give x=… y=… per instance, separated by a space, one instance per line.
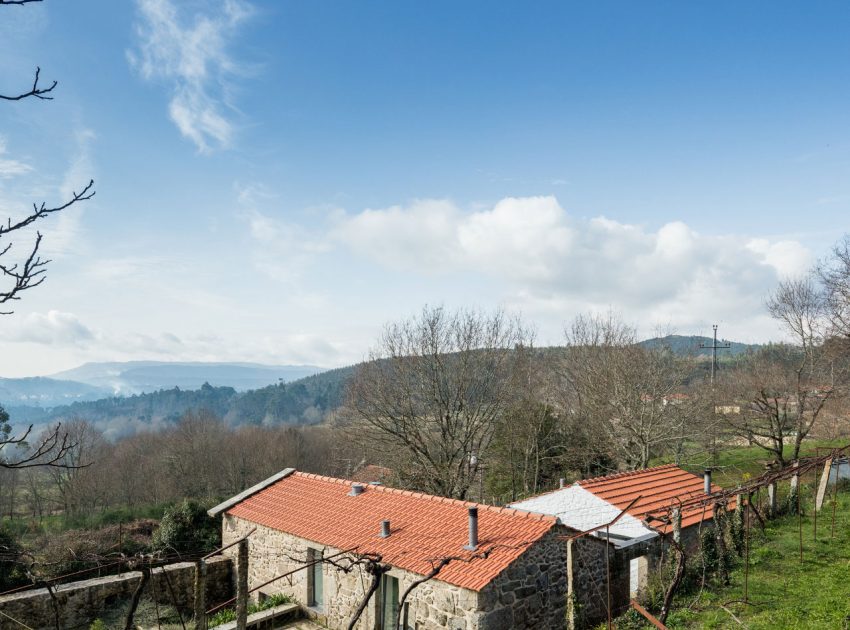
x=19 y=276
x=834 y=275
x=29 y=271
x=630 y=395
x=433 y=392
x=76 y=484
x=51 y=449
x=784 y=388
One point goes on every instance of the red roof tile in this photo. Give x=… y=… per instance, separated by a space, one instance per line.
x=660 y=488
x=424 y=528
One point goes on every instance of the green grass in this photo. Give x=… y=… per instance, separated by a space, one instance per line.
x=782 y=592
x=229 y=614
x=735 y=465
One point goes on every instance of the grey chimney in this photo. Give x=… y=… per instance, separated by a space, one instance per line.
x=385 y=529
x=562 y=482
x=356 y=489
x=706 y=477
x=473 y=529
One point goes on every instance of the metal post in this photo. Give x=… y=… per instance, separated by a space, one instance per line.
x=835 y=497
x=799 y=519
x=200 y=595
x=242 y=586
x=608 y=571
x=747 y=547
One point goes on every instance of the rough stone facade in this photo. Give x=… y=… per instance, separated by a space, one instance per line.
x=83 y=601
x=530 y=593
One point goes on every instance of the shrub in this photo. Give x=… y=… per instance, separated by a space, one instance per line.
x=229 y=614
x=10 y=571
x=186 y=528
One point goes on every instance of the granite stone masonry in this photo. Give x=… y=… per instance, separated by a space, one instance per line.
x=530 y=593
x=79 y=603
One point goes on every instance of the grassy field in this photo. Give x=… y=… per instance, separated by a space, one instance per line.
x=783 y=592
x=735 y=465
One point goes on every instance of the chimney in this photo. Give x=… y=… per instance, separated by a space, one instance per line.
x=562 y=482
x=473 y=529
x=385 y=529
x=706 y=477
x=356 y=489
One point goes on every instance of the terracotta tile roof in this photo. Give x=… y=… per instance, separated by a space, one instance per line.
x=424 y=528
x=372 y=472
x=659 y=489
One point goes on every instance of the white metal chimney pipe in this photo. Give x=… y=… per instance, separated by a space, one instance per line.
x=706 y=477
x=473 y=529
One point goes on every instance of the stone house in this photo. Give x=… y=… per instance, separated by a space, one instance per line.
x=500 y=567
x=649 y=494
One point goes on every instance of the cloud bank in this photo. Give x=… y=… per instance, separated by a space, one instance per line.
x=545 y=261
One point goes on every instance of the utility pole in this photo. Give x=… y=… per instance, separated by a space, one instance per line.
x=714 y=348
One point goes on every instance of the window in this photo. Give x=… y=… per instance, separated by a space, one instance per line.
x=315 y=580
x=389 y=603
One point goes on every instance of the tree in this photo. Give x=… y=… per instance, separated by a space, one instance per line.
x=187 y=528
x=629 y=395
x=834 y=276
x=51 y=448
x=27 y=273
x=433 y=392
x=790 y=385
x=531 y=442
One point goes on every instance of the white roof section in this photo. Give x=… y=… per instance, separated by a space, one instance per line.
x=582 y=510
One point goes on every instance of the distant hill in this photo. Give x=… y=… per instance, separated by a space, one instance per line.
x=137 y=377
x=40 y=391
x=690 y=345
x=305 y=401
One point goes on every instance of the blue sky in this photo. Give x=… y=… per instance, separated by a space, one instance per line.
x=275 y=180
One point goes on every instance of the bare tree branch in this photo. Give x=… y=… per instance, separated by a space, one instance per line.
x=52 y=450
x=35 y=91
x=30 y=273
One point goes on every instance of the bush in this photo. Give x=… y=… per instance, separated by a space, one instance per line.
x=187 y=528
x=11 y=574
x=229 y=614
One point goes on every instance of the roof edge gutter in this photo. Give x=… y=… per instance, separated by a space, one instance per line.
x=226 y=505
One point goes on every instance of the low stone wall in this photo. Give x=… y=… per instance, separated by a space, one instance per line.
x=79 y=603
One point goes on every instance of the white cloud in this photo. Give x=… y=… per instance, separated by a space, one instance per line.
x=66 y=235
x=10 y=167
x=282 y=250
x=53 y=328
x=549 y=262
x=192 y=55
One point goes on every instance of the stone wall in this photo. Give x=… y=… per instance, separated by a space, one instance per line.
x=83 y=601
x=530 y=593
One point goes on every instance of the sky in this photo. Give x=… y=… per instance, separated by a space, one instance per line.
x=278 y=179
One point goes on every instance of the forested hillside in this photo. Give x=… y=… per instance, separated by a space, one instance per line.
x=305 y=401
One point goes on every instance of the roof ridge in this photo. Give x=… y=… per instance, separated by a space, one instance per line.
x=431 y=497
x=627 y=473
